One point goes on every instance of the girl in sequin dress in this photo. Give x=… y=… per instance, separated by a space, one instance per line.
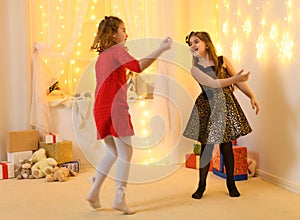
x=217 y=117
x=111 y=114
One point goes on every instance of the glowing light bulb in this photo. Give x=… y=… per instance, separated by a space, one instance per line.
x=145 y=132
x=285 y=47
x=142 y=103
x=273 y=33
x=146 y=113
x=263 y=22
x=219 y=48
x=260 y=46
x=225 y=27
x=236 y=50
x=247 y=26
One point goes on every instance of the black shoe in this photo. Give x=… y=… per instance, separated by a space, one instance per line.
x=233 y=191
x=199 y=192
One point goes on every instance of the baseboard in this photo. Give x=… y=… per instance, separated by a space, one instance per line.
x=288 y=185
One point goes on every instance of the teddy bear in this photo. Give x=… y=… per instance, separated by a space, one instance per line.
x=42 y=165
x=60 y=174
x=24 y=171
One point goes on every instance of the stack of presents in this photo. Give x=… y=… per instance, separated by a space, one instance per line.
x=217 y=163
x=30 y=156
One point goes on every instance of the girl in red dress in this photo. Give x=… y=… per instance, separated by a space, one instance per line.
x=111 y=109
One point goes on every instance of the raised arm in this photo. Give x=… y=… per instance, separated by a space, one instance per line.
x=243 y=86
x=206 y=80
x=148 y=60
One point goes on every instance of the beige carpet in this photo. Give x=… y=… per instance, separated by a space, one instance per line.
x=169 y=198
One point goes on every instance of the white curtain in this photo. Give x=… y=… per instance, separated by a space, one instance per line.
x=62 y=22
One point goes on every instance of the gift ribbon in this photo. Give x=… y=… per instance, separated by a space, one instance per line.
x=4 y=170
x=53 y=137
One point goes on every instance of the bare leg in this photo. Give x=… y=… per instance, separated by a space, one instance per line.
x=102 y=170
x=124 y=150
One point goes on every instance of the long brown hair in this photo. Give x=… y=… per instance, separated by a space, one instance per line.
x=106 y=29
x=211 y=50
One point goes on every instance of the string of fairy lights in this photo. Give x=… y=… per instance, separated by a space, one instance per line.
x=236 y=22
x=241 y=20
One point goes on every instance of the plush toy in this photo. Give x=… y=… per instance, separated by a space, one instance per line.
x=24 y=171
x=60 y=174
x=42 y=165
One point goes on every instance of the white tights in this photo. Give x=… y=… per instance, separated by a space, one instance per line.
x=119 y=149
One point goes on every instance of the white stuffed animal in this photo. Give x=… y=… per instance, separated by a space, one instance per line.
x=42 y=165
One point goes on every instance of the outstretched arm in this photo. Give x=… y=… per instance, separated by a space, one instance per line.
x=243 y=86
x=148 y=60
x=206 y=80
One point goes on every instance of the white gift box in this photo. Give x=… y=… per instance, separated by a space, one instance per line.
x=16 y=156
x=52 y=138
x=7 y=170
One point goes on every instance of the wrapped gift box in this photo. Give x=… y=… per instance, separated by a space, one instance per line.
x=72 y=165
x=61 y=151
x=16 y=156
x=240 y=163
x=197 y=148
x=7 y=170
x=22 y=141
x=192 y=161
x=52 y=138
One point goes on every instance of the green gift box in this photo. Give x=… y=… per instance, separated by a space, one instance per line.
x=197 y=148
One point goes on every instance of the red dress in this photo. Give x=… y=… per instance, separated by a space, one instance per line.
x=111 y=107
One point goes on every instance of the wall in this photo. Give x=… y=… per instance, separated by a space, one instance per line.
x=15 y=65
x=274 y=29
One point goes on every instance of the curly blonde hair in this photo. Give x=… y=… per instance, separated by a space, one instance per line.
x=106 y=29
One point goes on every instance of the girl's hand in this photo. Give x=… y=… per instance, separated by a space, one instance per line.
x=241 y=77
x=255 y=105
x=166 y=44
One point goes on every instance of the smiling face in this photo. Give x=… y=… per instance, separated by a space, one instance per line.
x=197 y=46
x=121 y=35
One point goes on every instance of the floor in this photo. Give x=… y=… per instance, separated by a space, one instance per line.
x=168 y=198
